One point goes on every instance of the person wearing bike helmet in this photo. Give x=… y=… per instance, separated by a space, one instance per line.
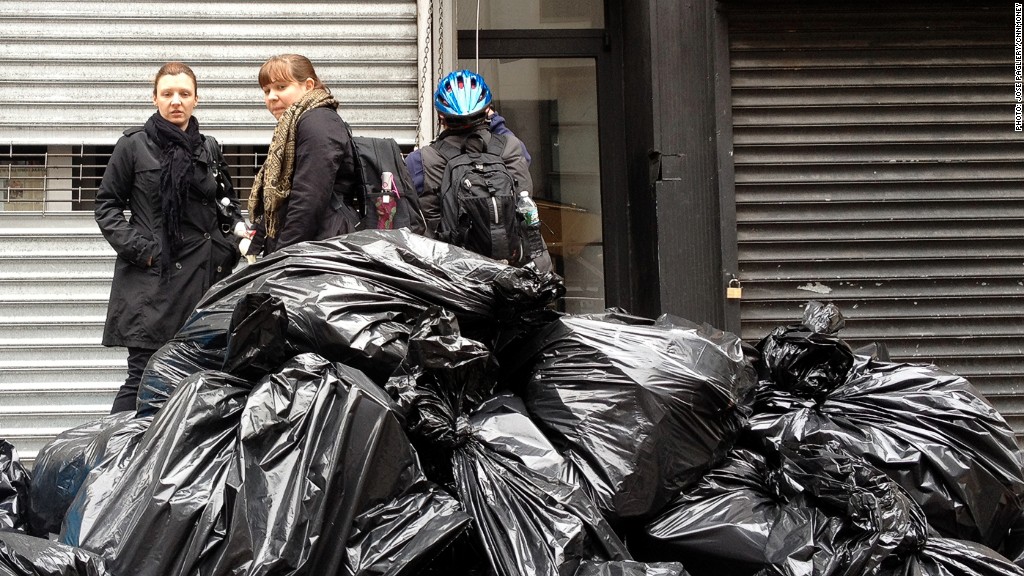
x=463 y=104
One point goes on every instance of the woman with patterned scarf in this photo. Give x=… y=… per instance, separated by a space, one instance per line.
x=176 y=243
x=301 y=190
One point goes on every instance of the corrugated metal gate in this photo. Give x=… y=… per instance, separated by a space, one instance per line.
x=876 y=167
x=73 y=76
x=81 y=72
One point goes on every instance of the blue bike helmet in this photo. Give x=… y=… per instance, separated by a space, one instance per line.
x=462 y=97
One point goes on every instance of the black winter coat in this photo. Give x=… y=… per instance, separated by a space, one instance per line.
x=146 y=308
x=325 y=175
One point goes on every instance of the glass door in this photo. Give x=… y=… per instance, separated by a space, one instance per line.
x=555 y=68
x=551 y=105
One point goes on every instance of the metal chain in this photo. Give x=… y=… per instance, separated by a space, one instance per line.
x=440 y=38
x=440 y=47
x=424 y=71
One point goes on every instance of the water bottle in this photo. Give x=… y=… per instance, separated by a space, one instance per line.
x=387 y=203
x=528 y=209
x=531 y=220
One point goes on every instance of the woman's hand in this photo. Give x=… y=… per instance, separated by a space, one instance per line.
x=243 y=231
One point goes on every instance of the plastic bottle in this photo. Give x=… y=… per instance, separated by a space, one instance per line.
x=528 y=208
x=531 y=221
x=387 y=202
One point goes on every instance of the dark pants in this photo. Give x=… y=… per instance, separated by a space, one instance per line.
x=127 y=395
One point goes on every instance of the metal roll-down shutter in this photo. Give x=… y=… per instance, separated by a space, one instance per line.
x=81 y=72
x=73 y=76
x=877 y=167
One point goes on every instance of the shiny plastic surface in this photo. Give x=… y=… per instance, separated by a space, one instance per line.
x=630 y=568
x=24 y=555
x=351 y=299
x=398 y=538
x=63 y=464
x=504 y=471
x=806 y=510
x=949 y=557
x=15 y=484
x=233 y=478
x=930 y=431
x=641 y=408
x=808 y=359
x=98 y=485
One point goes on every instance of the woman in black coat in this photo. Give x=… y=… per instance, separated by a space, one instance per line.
x=177 y=241
x=302 y=189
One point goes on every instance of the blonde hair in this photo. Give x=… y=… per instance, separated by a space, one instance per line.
x=173 y=69
x=290 y=67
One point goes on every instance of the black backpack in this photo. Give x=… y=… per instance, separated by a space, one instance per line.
x=377 y=210
x=478 y=199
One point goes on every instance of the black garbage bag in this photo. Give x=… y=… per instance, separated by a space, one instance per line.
x=168 y=367
x=805 y=510
x=642 y=408
x=355 y=298
x=249 y=343
x=165 y=509
x=267 y=480
x=928 y=430
x=881 y=520
x=528 y=522
x=904 y=545
x=950 y=557
x=62 y=465
x=405 y=537
x=102 y=478
x=630 y=568
x=322 y=450
x=808 y=359
x=257 y=341
x=15 y=487
x=734 y=522
x=24 y=555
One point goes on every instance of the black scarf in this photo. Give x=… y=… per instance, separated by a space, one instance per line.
x=177 y=163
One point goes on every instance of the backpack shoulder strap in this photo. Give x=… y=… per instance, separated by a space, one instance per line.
x=433 y=164
x=446 y=149
x=492 y=144
x=496 y=145
x=356 y=158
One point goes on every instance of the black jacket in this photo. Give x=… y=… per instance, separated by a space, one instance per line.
x=324 y=170
x=146 y=308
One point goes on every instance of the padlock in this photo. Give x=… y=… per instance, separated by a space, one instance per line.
x=734 y=290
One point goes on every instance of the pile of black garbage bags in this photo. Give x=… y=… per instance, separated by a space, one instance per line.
x=383 y=404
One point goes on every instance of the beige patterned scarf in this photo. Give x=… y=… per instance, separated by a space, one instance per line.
x=273 y=182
